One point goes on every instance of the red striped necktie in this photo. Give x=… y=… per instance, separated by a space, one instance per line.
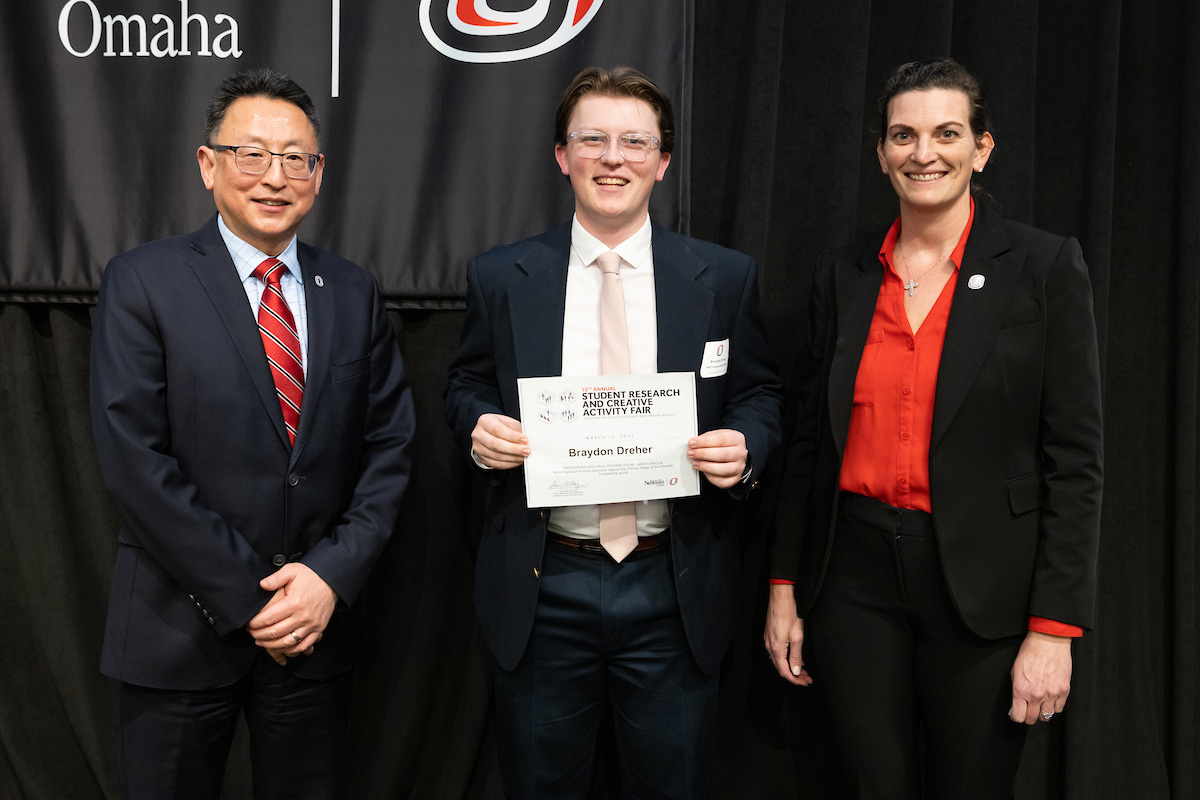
x=282 y=343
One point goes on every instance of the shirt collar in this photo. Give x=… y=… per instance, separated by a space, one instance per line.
x=887 y=251
x=246 y=257
x=632 y=251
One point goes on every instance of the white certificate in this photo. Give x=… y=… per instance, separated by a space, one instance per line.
x=608 y=438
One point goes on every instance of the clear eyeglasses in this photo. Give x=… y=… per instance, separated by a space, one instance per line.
x=256 y=161
x=632 y=146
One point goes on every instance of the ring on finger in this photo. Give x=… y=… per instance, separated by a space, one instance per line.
x=298 y=640
x=1046 y=715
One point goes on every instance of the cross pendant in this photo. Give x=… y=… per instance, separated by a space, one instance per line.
x=911 y=286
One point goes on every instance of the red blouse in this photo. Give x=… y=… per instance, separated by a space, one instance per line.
x=887 y=446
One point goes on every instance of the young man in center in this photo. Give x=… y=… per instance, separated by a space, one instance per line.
x=622 y=604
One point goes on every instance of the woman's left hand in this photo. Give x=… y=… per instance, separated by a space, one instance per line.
x=1041 y=678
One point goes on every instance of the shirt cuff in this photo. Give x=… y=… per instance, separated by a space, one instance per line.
x=782 y=582
x=1054 y=628
x=479 y=463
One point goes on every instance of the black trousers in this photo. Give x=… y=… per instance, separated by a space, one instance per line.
x=176 y=743
x=606 y=634
x=919 y=703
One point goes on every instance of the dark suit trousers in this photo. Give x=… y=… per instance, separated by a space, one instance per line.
x=176 y=743
x=606 y=634
x=919 y=703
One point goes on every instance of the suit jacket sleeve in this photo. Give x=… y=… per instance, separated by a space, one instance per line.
x=472 y=388
x=800 y=457
x=162 y=509
x=344 y=558
x=1064 y=577
x=753 y=394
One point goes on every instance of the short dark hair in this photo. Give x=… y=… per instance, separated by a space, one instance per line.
x=619 y=82
x=258 y=82
x=936 y=73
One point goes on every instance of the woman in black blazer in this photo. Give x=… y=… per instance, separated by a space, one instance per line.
x=937 y=530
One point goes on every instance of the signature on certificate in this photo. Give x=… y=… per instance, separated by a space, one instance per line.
x=567 y=485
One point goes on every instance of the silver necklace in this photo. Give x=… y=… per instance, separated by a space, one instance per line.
x=912 y=284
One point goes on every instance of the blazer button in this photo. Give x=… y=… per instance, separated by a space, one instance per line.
x=293 y=479
x=279 y=560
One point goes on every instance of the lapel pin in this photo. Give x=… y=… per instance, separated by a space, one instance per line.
x=975 y=281
x=321 y=281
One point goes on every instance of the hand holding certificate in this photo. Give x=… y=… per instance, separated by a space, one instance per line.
x=608 y=438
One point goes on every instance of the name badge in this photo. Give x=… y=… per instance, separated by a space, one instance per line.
x=716 y=359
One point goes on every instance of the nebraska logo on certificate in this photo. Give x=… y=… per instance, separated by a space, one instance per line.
x=608 y=438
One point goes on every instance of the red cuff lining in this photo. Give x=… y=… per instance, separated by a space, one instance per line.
x=1054 y=627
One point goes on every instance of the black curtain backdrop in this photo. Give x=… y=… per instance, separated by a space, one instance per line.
x=1096 y=106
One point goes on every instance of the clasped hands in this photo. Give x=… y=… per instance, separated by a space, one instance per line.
x=293 y=620
x=720 y=455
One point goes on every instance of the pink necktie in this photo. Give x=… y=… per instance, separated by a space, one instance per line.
x=618 y=521
x=282 y=343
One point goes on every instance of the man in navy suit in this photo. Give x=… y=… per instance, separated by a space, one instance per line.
x=573 y=627
x=252 y=420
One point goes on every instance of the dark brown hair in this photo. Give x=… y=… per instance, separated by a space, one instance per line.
x=936 y=73
x=619 y=82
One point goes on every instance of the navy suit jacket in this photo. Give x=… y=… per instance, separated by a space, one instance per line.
x=1015 y=457
x=515 y=307
x=193 y=449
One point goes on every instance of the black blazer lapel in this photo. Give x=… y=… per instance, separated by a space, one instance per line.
x=321 y=305
x=975 y=315
x=856 y=292
x=682 y=323
x=537 y=302
x=217 y=274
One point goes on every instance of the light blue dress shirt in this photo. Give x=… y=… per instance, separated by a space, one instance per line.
x=247 y=257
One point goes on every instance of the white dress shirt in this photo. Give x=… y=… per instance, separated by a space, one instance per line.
x=581 y=349
x=246 y=258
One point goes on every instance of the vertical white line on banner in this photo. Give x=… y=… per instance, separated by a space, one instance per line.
x=336 y=50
